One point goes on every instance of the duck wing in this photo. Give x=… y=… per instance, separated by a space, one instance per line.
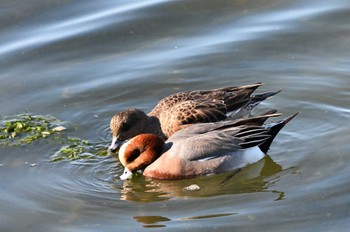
x=191 y=112
x=218 y=143
x=202 y=128
x=201 y=108
x=233 y=97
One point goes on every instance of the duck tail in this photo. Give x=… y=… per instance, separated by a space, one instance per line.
x=252 y=87
x=238 y=97
x=263 y=96
x=274 y=128
x=255 y=100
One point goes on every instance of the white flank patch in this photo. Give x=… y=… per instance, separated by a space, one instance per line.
x=251 y=155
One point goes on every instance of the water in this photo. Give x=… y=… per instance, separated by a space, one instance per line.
x=83 y=61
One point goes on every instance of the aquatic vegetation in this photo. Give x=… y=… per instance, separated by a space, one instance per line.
x=78 y=149
x=26 y=128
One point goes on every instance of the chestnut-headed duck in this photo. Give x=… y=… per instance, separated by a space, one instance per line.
x=201 y=149
x=183 y=109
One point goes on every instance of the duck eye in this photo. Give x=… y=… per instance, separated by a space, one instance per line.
x=125 y=126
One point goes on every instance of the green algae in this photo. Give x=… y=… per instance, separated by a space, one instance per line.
x=26 y=128
x=78 y=149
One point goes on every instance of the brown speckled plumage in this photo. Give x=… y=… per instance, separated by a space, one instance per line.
x=181 y=110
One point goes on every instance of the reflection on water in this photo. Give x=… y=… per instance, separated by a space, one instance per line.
x=151 y=221
x=258 y=177
x=155 y=221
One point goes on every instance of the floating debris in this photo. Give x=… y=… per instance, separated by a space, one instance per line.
x=31 y=165
x=59 y=128
x=192 y=187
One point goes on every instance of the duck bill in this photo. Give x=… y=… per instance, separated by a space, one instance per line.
x=126 y=174
x=114 y=145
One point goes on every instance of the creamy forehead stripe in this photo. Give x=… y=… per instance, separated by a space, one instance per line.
x=121 y=153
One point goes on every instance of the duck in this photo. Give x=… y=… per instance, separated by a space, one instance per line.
x=201 y=149
x=180 y=110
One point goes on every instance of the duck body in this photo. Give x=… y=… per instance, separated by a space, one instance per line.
x=181 y=110
x=201 y=149
x=169 y=166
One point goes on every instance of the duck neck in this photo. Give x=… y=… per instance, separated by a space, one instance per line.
x=154 y=127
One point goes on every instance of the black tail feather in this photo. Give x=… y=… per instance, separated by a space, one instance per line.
x=273 y=111
x=263 y=96
x=274 y=129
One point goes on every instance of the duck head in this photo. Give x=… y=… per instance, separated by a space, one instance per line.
x=126 y=125
x=139 y=152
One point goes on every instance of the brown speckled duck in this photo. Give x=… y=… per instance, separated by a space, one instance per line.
x=183 y=109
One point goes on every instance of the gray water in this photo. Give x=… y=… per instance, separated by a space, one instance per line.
x=84 y=61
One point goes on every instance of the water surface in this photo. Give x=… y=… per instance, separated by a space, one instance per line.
x=83 y=61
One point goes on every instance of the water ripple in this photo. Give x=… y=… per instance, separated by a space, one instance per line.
x=39 y=36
